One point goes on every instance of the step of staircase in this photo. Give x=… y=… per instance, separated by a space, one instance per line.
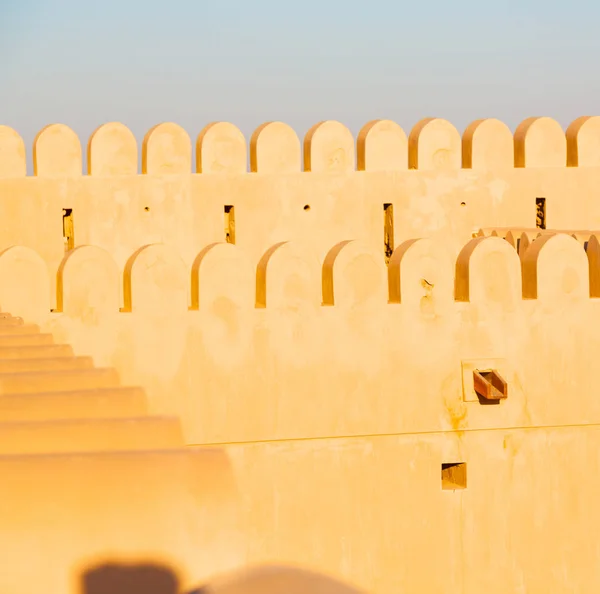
x=10 y=321
x=58 y=381
x=75 y=404
x=45 y=364
x=17 y=329
x=85 y=472
x=34 y=351
x=90 y=435
x=28 y=339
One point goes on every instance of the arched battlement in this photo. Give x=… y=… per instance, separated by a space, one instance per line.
x=155 y=281
x=583 y=142
x=488 y=145
x=221 y=148
x=223 y=291
x=13 y=159
x=420 y=276
x=24 y=284
x=488 y=271
x=57 y=152
x=382 y=145
x=434 y=145
x=540 y=142
x=287 y=277
x=555 y=267
x=329 y=147
x=166 y=150
x=222 y=271
x=112 y=151
x=275 y=148
x=87 y=283
x=354 y=275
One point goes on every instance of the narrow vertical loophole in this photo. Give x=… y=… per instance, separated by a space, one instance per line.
x=540 y=213
x=229 y=223
x=388 y=231
x=68 y=229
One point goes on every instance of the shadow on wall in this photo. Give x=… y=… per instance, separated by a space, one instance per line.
x=275 y=580
x=156 y=579
x=130 y=579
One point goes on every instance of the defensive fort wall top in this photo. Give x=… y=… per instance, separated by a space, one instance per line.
x=385 y=189
x=382 y=145
x=276 y=278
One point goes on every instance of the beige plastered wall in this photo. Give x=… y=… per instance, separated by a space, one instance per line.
x=339 y=384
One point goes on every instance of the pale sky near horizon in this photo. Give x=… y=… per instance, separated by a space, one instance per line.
x=84 y=63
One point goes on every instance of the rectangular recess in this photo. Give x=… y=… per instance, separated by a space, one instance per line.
x=540 y=213
x=229 y=223
x=470 y=365
x=68 y=229
x=491 y=384
x=388 y=231
x=454 y=476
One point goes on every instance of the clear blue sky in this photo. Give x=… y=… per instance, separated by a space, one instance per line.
x=86 y=62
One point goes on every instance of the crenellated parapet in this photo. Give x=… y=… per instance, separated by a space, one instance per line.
x=275 y=148
x=382 y=188
x=293 y=322
x=382 y=348
x=373 y=264
x=155 y=278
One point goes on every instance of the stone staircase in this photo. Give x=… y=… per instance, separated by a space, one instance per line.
x=54 y=402
x=88 y=477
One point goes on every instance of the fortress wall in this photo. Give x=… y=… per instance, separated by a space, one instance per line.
x=337 y=384
x=71 y=514
x=371 y=511
x=246 y=341
x=293 y=346
x=440 y=185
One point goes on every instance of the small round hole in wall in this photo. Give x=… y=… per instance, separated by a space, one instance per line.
x=463 y=204
x=147 y=208
x=307 y=207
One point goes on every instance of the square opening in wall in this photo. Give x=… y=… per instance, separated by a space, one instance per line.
x=454 y=476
